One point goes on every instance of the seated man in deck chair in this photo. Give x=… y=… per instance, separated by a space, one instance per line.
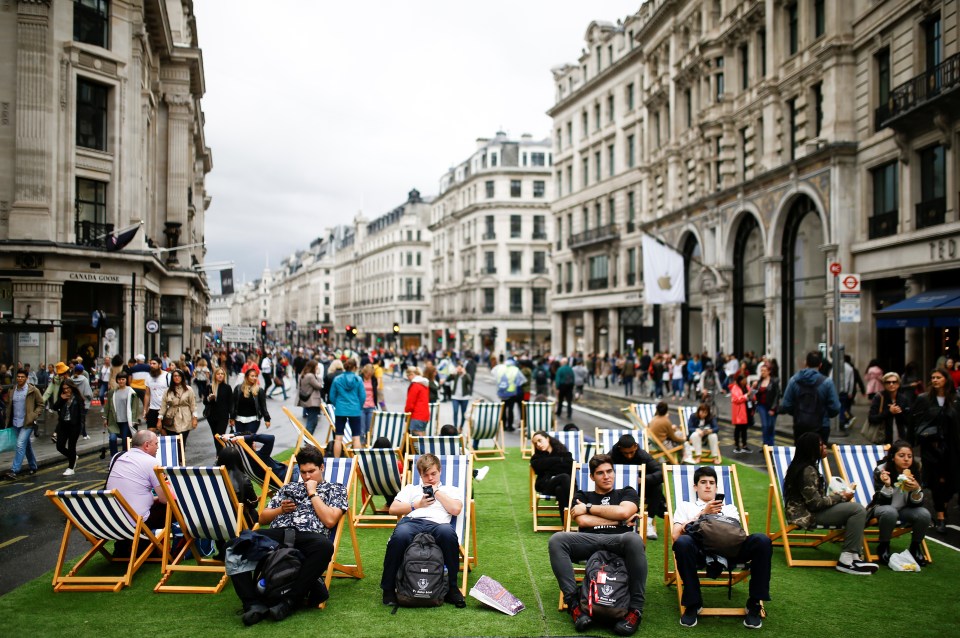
x=756 y=550
x=131 y=473
x=607 y=520
x=313 y=508
x=428 y=507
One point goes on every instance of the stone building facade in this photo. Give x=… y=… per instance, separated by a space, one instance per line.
x=491 y=280
x=100 y=130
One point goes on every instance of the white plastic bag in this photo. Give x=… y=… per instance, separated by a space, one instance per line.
x=837 y=486
x=904 y=562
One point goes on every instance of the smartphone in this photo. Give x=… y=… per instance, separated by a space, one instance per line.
x=719 y=497
x=428 y=491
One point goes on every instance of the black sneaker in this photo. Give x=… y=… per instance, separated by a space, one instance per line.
x=745 y=450
x=281 y=610
x=255 y=614
x=389 y=598
x=581 y=621
x=754 y=617
x=689 y=617
x=455 y=598
x=628 y=626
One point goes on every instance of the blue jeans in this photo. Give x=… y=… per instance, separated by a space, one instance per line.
x=768 y=424
x=124 y=434
x=366 y=418
x=24 y=448
x=678 y=387
x=312 y=417
x=460 y=412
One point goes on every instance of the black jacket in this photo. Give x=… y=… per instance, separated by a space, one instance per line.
x=546 y=465
x=220 y=409
x=260 y=401
x=929 y=419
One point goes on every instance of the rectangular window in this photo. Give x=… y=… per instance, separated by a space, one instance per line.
x=586 y=218
x=596 y=163
x=569 y=179
x=743 y=153
x=599 y=272
x=762 y=45
x=489 y=228
x=91 y=207
x=489 y=186
x=817 y=109
x=539 y=300
x=599 y=58
x=793 y=28
x=515 y=262
x=539 y=262
x=758 y=141
x=717 y=165
x=598 y=214
x=493 y=160
x=514 y=188
x=819 y=18
x=91 y=115
x=539 y=227
x=488 y=300
x=515 y=226
x=688 y=105
x=610 y=110
x=489 y=265
x=883 y=77
x=629 y=96
x=538 y=159
x=570 y=133
x=720 y=84
x=583 y=124
x=418 y=259
x=596 y=117
x=539 y=187
x=524 y=160
x=516 y=300
x=611 y=166
x=883 y=222
x=612 y=209
x=586 y=171
x=569 y=279
x=559 y=184
x=744 y=67
x=792 y=128
x=631 y=151
x=91 y=22
x=656 y=129
x=559 y=139
x=932 y=173
x=631 y=208
x=416 y=317
x=409 y=259
x=631 y=266
x=933 y=41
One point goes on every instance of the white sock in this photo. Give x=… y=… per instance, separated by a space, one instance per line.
x=847 y=558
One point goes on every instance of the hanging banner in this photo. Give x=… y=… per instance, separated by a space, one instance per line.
x=663 y=273
x=226 y=281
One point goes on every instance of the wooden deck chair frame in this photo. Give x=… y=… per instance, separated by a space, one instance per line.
x=111 y=523
x=270 y=481
x=790 y=536
x=438 y=445
x=678 y=483
x=204 y=504
x=343 y=471
x=662 y=452
x=535 y=416
x=392 y=425
x=165 y=444
x=684 y=411
x=329 y=414
x=456 y=469
x=487 y=430
x=625 y=475
x=302 y=430
x=373 y=466
x=544 y=506
x=856 y=464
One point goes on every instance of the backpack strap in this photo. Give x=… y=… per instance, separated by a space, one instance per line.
x=289 y=536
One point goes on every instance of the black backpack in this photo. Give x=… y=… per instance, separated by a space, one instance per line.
x=280 y=569
x=421 y=579
x=808 y=407
x=541 y=376
x=605 y=592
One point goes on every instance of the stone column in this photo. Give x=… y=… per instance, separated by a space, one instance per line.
x=30 y=216
x=557 y=334
x=613 y=321
x=179 y=122
x=772 y=305
x=589 y=332
x=913 y=337
x=33 y=299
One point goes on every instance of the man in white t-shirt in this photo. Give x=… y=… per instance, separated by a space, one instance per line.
x=156 y=387
x=756 y=550
x=266 y=371
x=428 y=507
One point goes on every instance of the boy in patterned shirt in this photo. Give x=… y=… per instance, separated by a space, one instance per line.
x=313 y=507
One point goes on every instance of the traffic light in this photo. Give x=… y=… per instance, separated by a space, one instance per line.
x=396 y=328
x=493 y=333
x=319 y=332
x=353 y=331
x=349 y=332
x=263 y=329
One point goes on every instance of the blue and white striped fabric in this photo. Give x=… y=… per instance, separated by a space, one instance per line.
x=338 y=471
x=391 y=425
x=573 y=441
x=433 y=427
x=645 y=412
x=331 y=414
x=99 y=513
x=168 y=450
x=203 y=499
x=624 y=476
x=438 y=445
x=254 y=469
x=686 y=411
x=857 y=463
x=781 y=456
x=537 y=416
x=682 y=483
x=379 y=469
x=606 y=439
x=485 y=420
x=455 y=471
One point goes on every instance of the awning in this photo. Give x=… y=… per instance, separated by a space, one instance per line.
x=933 y=307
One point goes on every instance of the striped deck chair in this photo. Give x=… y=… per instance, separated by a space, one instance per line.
x=485 y=423
x=170 y=450
x=326 y=409
x=343 y=471
x=624 y=476
x=438 y=445
x=789 y=536
x=544 y=506
x=856 y=464
x=678 y=480
x=607 y=438
x=433 y=425
x=379 y=471
x=262 y=476
x=390 y=425
x=534 y=417
x=686 y=411
x=100 y=516
x=202 y=501
x=458 y=472
x=644 y=411
x=302 y=432
x=665 y=451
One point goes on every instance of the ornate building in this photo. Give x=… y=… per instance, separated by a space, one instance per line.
x=491 y=249
x=101 y=130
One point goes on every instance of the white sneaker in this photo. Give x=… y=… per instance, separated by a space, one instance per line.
x=651 y=529
x=69 y=472
x=482 y=472
x=86 y=438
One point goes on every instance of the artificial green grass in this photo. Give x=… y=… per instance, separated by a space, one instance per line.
x=806 y=601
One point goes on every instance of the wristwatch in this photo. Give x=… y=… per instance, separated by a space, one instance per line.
x=312 y=495
x=589 y=505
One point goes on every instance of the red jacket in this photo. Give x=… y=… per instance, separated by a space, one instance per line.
x=739 y=405
x=418 y=401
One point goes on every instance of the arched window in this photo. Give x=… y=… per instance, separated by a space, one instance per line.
x=749 y=326
x=804 y=276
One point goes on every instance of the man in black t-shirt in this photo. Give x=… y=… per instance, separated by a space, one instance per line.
x=607 y=520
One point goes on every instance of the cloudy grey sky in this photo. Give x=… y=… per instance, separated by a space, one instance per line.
x=316 y=110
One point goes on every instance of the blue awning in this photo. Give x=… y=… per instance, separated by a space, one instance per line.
x=933 y=307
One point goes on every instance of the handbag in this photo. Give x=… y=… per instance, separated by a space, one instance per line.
x=8 y=439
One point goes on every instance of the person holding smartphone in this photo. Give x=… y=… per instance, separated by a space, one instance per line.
x=757 y=550
x=428 y=507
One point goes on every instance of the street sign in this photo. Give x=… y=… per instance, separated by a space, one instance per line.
x=239 y=334
x=152 y=326
x=835 y=268
x=850 y=309
x=849 y=283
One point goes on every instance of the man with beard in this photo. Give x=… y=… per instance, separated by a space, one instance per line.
x=156 y=386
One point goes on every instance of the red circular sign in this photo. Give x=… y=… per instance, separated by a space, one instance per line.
x=835 y=268
x=850 y=282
